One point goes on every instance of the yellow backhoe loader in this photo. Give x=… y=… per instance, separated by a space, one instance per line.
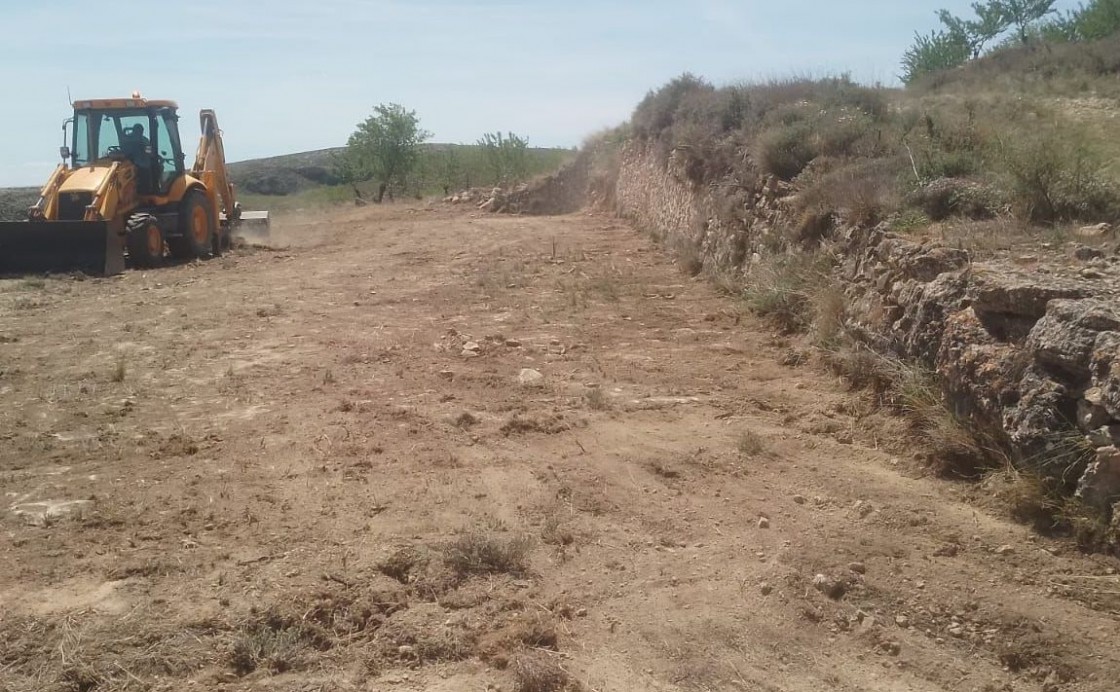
x=123 y=191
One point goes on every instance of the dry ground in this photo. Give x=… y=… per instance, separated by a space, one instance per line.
x=315 y=468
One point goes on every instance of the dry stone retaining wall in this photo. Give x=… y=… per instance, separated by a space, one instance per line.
x=1030 y=356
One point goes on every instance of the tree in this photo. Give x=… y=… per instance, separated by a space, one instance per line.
x=1098 y=19
x=507 y=157
x=384 y=148
x=989 y=24
x=940 y=50
x=1022 y=14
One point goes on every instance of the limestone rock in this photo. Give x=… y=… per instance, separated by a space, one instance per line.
x=1100 y=484
x=1066 y=335
x=530 y=378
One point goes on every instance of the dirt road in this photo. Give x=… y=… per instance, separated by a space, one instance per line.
x=419 y=450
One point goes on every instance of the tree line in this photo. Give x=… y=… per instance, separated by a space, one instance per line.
x=387 y=149
x=997 y=24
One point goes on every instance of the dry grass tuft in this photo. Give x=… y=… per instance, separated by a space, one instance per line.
x=596 y=400
x=540 y=673
x=485 y=550
x=785 y=289
x=751 y=444
x=910 y=390
x=120 y=370
x=687 y=254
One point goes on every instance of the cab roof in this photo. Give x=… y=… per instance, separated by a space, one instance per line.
x=117 y=104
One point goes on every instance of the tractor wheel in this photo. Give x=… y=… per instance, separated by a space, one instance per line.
x=195 y=227
x=144 y=240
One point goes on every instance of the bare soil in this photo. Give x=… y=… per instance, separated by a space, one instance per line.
x=323 y=467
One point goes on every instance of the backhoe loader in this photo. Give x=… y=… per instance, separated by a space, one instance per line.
x=123 y=191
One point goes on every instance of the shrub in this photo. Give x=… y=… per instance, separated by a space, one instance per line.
x=657 y=110
x=1056 y=177
x=784 y=151
x=485 y=551
x=784 y=289
x=862 y=194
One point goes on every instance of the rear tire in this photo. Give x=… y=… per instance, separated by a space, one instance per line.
x=195 y=227
x=144 y=240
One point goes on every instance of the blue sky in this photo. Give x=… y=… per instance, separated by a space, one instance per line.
x=295 y=75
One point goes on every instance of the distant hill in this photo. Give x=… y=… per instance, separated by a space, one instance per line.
x=295 y=173
x=286 y=175
x=14 y=202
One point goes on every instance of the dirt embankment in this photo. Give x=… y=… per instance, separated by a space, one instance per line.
x=425 y=450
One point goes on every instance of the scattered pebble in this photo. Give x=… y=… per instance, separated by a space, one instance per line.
x=766 y=589
x=763 y=523
x=799 y=499
x=1004 y=550
x=857 y=567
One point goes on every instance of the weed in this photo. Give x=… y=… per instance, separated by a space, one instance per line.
x=688 y=257
x=275 y=643
x=274 y=310
x=120 y=370
x=784 y=289
x=751 y=444
x=328 y=377
x=596 y=400
x=555 y=532
x=483 y=550
x=607 y=285
x=540 y=673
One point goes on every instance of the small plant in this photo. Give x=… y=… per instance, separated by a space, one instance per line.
x=596 y=400
x=784 y=290
x=751 y=444
x=275 y=644
x=484 y=550
x=688 y=257
x=120 y=369
x=328 y=377
x=540 y=673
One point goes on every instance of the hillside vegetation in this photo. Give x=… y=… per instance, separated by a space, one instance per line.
x=1026 y=134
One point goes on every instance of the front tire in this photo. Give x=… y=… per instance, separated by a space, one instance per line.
x=196 y=228
x=144 y=240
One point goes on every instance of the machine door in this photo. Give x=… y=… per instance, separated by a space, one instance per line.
x=169 y=155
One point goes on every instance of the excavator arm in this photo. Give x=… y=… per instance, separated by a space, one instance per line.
x=210 y=167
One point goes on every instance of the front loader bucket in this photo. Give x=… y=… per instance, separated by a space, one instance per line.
x=253 y=227
x=34 y=247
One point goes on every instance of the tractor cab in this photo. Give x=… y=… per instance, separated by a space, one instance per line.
x=142 y=132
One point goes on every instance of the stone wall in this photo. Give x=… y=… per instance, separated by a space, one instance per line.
x=1029 y=354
